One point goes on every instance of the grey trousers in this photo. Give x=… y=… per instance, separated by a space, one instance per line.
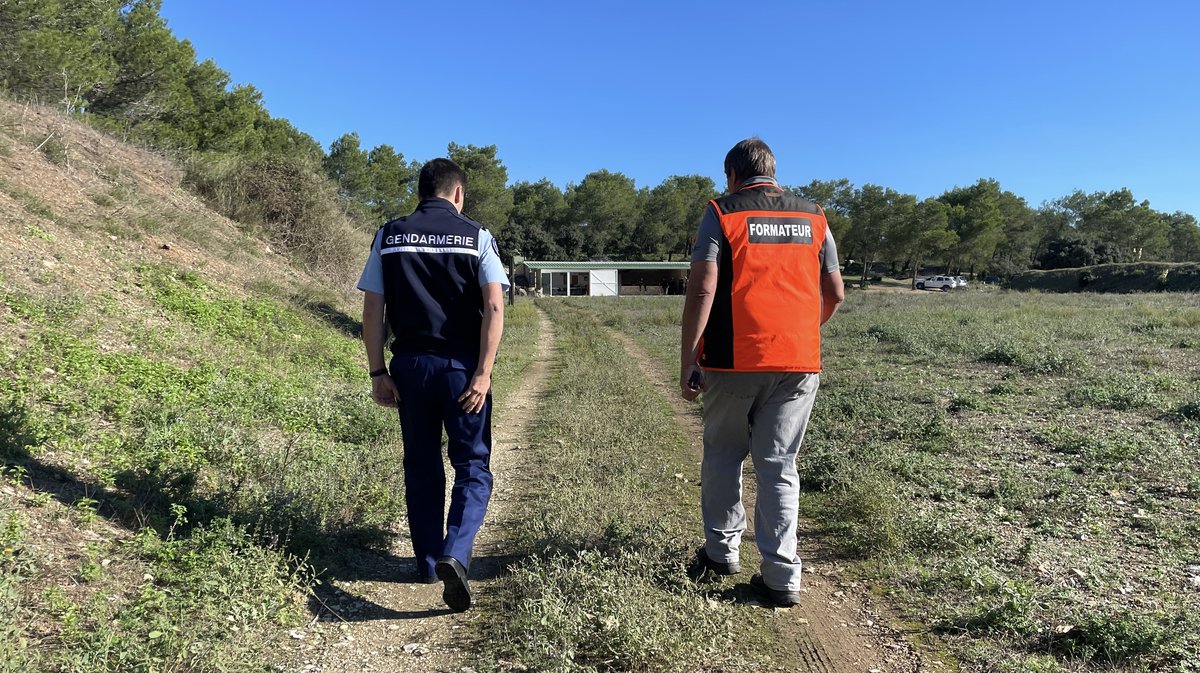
x=763 y=415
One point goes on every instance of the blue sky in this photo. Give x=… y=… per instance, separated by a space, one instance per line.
x=1045 y=97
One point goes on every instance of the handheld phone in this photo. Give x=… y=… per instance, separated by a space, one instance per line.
x=694 y=381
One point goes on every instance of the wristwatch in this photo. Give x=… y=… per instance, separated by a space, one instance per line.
x=379 y=372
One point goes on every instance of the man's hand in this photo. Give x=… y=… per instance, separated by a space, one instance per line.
x=691 y=382
x=473 y=399
x=384 y=391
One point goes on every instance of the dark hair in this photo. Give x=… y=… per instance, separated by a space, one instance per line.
x=439 y=177
x=749 y=158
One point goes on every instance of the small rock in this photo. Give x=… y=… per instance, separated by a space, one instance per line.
x=839 y=594
x=1063 y=628
x=393 y=627
x=166 y=246
x=297 y=634
x=416 y=649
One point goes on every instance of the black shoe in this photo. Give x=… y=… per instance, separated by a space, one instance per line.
x=455 y=591
x=702 y=563
x=784 y=599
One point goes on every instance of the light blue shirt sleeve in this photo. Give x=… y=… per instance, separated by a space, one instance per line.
x=491 y=269
x=371 y=279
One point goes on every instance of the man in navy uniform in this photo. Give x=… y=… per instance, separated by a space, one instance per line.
x=436 y=276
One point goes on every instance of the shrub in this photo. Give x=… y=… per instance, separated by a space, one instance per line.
x=1086 y=277
x=290 y=202
x=867 y=515
x=1114 y=636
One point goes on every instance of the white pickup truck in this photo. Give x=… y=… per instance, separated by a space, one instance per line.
x=944 y=283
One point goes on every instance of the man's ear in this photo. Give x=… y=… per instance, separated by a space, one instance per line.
x=459 y=197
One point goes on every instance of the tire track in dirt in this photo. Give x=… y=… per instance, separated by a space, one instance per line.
x=836 y=628
x=377 y=619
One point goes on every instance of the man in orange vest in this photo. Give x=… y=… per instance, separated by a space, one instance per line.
x=764 y=278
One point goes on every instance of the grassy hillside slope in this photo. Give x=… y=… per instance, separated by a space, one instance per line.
x=186 y=433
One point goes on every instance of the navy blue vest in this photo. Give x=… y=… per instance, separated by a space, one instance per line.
x=431 y=281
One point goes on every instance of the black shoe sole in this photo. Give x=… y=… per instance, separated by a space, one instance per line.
x=455 y=592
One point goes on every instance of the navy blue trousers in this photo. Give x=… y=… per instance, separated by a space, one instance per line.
x=430 y=386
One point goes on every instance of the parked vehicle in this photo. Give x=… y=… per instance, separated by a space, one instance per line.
x=962 y=281
x=943 y=283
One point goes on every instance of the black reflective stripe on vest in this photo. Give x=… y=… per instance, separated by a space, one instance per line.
x=766 y=197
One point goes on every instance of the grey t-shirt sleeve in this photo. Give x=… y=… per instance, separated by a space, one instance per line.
x=828 y=254
x=708 y=237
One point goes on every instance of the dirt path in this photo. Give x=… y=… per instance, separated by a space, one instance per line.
x=837 y=628
x=375 y=618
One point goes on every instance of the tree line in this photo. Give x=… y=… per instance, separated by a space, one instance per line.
x=118 y=65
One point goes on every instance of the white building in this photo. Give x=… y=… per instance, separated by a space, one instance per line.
x=605 y=279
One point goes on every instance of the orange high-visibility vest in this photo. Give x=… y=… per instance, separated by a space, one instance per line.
x=766 y=312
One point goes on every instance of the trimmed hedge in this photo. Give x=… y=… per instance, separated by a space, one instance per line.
x=1137 y=277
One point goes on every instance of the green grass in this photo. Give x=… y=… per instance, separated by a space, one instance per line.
x=603 y=586
x=232 y=430
x=205 y=602
x=32 y=204
x=1020 y=472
